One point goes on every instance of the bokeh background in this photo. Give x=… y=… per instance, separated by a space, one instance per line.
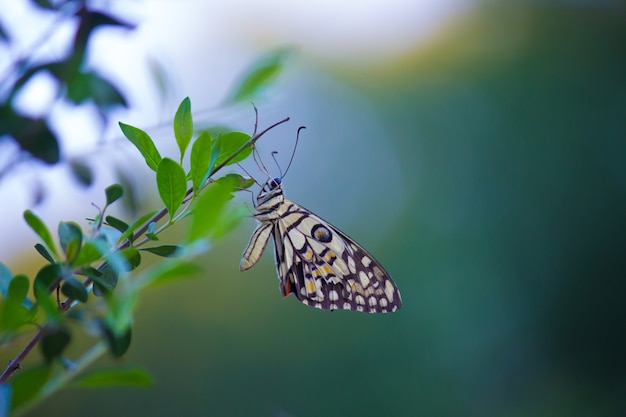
x=478 y=149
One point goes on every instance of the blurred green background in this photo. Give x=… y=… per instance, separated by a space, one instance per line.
x=487 y=172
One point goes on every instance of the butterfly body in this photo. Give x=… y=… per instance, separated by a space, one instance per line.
x=315 y=261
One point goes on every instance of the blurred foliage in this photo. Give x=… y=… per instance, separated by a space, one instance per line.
x=78 y=84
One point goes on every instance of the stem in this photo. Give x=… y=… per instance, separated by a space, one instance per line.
x=15 y=364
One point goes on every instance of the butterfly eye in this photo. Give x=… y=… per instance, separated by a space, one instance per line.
x=274 y=183
x=321 y=233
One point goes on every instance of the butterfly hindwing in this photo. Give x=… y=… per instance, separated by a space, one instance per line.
x=319 y=264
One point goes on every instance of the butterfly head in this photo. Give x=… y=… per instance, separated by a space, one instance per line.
x=272 y=192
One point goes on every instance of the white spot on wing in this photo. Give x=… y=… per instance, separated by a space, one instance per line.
x=366 y=261
x=333 y=296
x=389 y=290
x=365 y=281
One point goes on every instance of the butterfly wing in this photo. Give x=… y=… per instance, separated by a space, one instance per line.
x=326 y=269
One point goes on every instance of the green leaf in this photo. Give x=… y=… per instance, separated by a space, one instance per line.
x=133 y=257
x=167 y=272
x=74 y=289
x=113 y=192
x=44 y=252
x=5 y=279
x=135 y=225
x=71 y=238
x=54 y=342
x=90 y=252
x=151 y=232
x=241 y=183
x=229 y=143
x=200 y=159
x=40 y=228
x=208 y=210
x=172 y=184
x=48 y=305
x=143 y=143
x=183 y=126
x=105 y=279
x=259 y=76
x=118 y=342
x=129 y=376
x=116 y=223
x=46 y=276
x=13 y=312
x=81 y=172
x=167 y=251
x=27 y=384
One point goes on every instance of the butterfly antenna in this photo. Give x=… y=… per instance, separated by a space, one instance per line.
x=280 y=171
x=294 y=150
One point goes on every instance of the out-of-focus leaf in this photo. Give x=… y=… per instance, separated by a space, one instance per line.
x=54 y=342
x=74 y=289
x=47 y=275
x=89 y=252
x=13 y=314
x=27 y=383
x=183 y=126
x=143 y=142
x=113 y=192
x=81 y=172
x=208 y=210
x=40 y=228
x=166 y=272
x=44 y=252
x=133 y=257
x=35 y=137
x=200 y=159
x=151 y=233
x=71 y=239
x=240 y=182
x=167 y=251
x=172 y=184
x=105 y=279
x=116 y=223
x=5 y=399
x=129 y=376
x=228 y=144
x=259 y=76
x=135 y=225
x=118 y=342
x=5 y=280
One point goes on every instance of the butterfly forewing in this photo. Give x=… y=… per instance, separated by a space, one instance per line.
x=319 y=264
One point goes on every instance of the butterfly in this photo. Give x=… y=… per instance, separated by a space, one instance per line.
x=318 y=263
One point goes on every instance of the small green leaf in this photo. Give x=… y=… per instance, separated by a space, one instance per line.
x=133 y=257
x=116 y=223
x=172 y=184
x=229 y=143
x=40 y=228
x=81 y=172
x=113 y=193
x=13 y=313
x=105 y=279
x=129 y=376
x=5 y=279
x=167 y=251
x=27 y=384
x=74 y=289
x=90 y=252
x=118 y=343
x=259 y=76
x=47 y=275
x=48 y=305
x=183 y=126
x=240 y=182
x=44 y=252
x=71 y=238
x=143 y=143
x=151 y=232
x=135 y=225
x=54 y=342
x=200 y=159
